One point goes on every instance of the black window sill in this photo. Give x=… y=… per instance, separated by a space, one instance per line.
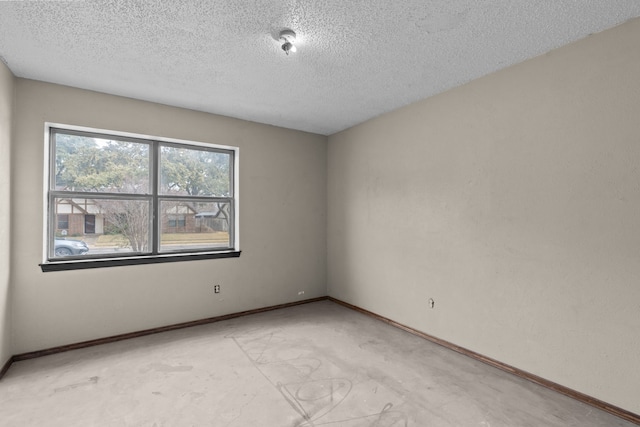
x=119 y=262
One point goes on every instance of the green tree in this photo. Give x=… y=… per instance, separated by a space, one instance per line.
x=96 y=165
x=68 y=148
x=194 y=172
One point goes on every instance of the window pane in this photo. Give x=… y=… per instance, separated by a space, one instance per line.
x=117 y=226
x=190 y=172
x=91 y=164
x=194 y=225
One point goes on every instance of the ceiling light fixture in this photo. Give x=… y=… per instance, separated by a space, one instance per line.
x=287 y=38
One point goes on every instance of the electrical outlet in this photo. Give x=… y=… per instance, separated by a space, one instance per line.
x=216 y=289
x=432 y=303
x=301 y=293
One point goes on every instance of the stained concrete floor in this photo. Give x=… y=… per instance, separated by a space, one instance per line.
x=317 y=364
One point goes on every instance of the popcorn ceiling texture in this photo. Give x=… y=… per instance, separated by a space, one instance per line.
x=356 y=59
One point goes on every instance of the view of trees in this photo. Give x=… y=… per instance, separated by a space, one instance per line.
x=96 y=165
x=194 y=172
x=86 y=164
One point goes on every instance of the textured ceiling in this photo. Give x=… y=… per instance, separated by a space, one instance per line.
x=356 y=59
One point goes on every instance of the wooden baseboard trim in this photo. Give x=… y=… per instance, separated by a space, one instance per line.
x=592 y=401
x=121 y=337
x=6 y=367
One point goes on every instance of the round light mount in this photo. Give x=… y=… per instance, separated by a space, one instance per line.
x=288 y=38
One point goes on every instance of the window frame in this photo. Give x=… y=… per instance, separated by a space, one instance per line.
x=153 y=197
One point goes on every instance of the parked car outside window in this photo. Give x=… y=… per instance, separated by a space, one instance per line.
x=68 y=247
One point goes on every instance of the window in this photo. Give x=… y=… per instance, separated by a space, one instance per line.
x=63 y=222
x=177 y=221
x=129 y=199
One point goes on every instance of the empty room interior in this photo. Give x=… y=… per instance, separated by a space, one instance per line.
x=418 y=213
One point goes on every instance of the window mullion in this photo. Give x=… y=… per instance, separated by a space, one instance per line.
x=86 y=195
x=155 y=172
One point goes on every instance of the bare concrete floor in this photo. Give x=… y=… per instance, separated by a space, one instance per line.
x=318 y=364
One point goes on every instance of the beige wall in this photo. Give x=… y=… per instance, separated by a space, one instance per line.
x=513 y=202
x=6 y=114
x=282 y=225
